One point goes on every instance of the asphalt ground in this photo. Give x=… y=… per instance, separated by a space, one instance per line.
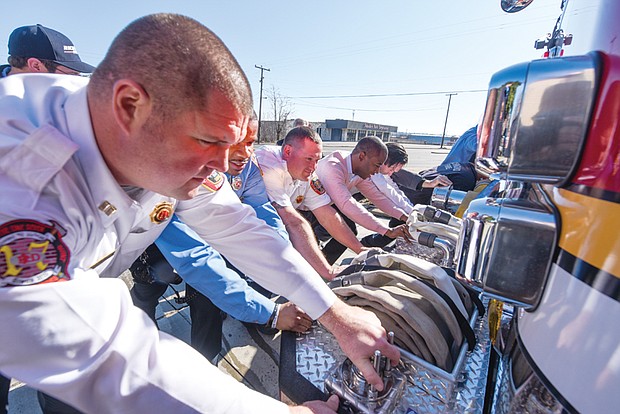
x=248 y=355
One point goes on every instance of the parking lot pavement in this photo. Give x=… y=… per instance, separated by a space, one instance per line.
x=247 y=355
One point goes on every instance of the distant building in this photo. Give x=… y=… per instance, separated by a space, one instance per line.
x=352 y=131
x=414 y=138
x=345 y=130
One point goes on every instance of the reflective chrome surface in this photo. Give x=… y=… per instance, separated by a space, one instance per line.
x=502 y=107
x=349 y=384
x=448 y=251
x=429 y=390
x=476 y=241
x=514 y=6
x=519 y=390
x=536 y=119
x=447 y=198
x=506 y=245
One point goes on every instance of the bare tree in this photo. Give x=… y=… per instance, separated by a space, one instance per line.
x=281 y=107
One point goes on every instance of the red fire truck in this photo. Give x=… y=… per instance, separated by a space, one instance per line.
x=547 y=240
x=540 y=242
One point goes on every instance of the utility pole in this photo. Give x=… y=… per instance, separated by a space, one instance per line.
x=449 y=95
x=260 y=102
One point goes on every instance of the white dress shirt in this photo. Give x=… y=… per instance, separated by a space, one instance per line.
x=282 y=189
x=66 y=221
x=336 y=173
x=390 y=189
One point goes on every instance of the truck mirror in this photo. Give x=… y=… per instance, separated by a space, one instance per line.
x=513 y=6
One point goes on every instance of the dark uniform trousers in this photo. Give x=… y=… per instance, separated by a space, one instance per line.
x=5 y=383
x=152 y=275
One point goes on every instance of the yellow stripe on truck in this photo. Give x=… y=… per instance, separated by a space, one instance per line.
x=590 y=229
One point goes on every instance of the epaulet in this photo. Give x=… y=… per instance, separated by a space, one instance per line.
x=316 y=185
x=31 y=164
x=214 y=182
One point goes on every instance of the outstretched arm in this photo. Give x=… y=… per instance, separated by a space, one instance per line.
x=205 y=269
x=303 y=239
x=337 y=228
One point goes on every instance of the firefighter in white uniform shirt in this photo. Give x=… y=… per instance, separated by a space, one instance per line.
x=296 y=193
x=91 y=173
x=396 y=159
x=344 y=174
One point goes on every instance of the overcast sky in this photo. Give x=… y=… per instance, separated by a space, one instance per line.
x=336 y=59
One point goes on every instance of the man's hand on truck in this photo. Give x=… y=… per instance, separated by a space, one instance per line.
x=359 y=333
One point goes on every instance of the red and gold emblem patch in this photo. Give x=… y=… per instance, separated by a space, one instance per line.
x=32 y=253
x=214 y=182
x=299 y=199
x=236 y=183
x=316 y=185
x=161 y=212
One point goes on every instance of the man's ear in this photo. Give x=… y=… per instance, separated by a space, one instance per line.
x=286 y=151
x=36 y=66
x=362 y=155
x=132 y=105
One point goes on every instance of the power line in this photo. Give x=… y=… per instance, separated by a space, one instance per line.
x=388 y=94
x=416 y=38
x=366 y=110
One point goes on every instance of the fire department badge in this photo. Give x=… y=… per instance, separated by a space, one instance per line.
x=32 y=252
x=161 y=212
x=236 y=183
x=299 y=199
x=316 y=185
x=214 y=181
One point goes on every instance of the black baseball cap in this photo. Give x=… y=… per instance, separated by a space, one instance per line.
x=44 y=43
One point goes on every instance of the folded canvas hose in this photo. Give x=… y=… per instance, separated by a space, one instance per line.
x=421 y=312
x=405 y=338
x=415 y=318
x=420 y=269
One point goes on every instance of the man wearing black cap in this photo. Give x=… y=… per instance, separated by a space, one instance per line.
x=39 y=49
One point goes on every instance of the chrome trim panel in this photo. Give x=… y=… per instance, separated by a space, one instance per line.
x=519 y=390
x=506 y=245
x=536 y=119
x=447 y=198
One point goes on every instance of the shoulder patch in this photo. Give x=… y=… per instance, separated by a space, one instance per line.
x=236 y=183
x=316 y=185
x=214 y=182
x=161 y=212
x=31 y=253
